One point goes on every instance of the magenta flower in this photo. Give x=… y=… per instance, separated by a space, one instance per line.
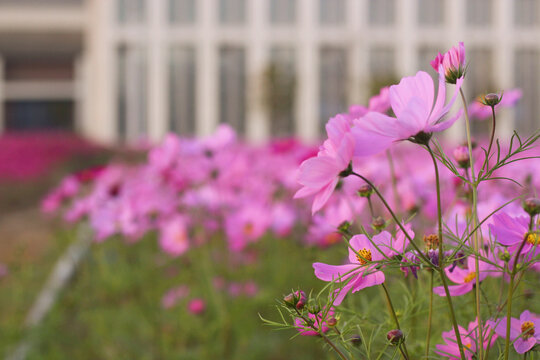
x=196 y=306
x=319 y=175
x=418 y=115
x=173 y=237
x=465 y=278
x=512 y=231
x=452 y=63
x=524 y=332
x=318 y=322
x=469 y=337
x=360 y=272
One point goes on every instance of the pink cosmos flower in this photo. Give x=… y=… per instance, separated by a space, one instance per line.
x=172 y=296
x=360 y=272
x=173 y=237
x=524 y=332
x=479 y=111
x=512 y=231
x=418 y=115
x=318 y=322
x=320 y=175
x=465 y=278
x=452 y=63
x=196 y=306
x=469 y=337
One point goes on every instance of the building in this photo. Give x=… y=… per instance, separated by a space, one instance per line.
x=122 y=70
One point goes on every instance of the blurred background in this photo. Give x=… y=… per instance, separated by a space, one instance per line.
x=83 y=81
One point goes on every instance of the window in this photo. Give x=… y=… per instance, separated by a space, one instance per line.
x=182 y=12
x=132 y=92
x=479 y=12
x=527 y=74
x=382 y=12
x=332 y=83
x=280 y=87
x=23 y=115
x=282 y=11
x=131 y=11
x=182 y=91
x=232 y=87
x=382 y=67
x=526 y=12
x=332 y=12
x=431 y=12
x=232 y=12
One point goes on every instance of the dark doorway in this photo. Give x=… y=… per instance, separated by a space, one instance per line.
x=24 y=115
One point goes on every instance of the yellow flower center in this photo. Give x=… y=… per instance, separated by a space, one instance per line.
x=532 y=238
x=527 y=328
x=470 y=277
x=363 y=256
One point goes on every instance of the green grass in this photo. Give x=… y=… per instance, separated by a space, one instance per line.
x=111 y=309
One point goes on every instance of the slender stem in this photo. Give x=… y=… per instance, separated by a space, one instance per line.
x=493 y=124
x=393 y=177
x=452 y=313
x=411 y=240
x=394 y=316
x=510 y=295
x=430 y=316
x=371 y=207
x=474 y=215
x=441 y=249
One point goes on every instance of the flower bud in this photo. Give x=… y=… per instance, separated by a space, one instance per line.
x=365 y=190
x=491 y=99
x=532 y=206
x=461 y=154
x=356 y=340
x=505 y=256
x=301 y=300
x=395 y=336
x=295 y=299
x=331 y=322
x=378 y=223
x=344 y=227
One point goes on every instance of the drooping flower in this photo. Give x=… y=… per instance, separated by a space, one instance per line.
x=361 y=272
x=418 y=115
x=465 y=278
x=319 y=175
x=524 y=332
x=452 y=63
x=469 y=339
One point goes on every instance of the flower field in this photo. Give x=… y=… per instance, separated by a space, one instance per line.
x=387 y=241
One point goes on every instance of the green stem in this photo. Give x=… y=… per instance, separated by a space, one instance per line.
x=396 y=220
x=430 y=315
x=474 y=215
x=371 y=207
x=493 y=124
x=394 y=316
x=441 y=249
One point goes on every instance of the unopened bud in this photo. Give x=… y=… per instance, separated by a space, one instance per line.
x=331 y=322
x=344 y=227
x=532 y=206
x=505 y=256
x=491 y=99
x=356 y=340
x=365 y=190
x=461 y=154
x=395 y=336
x=378 y=223
x=301 y=300
x=295 y=299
